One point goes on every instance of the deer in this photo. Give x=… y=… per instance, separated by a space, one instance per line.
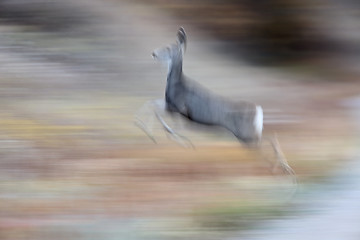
x=244 y=119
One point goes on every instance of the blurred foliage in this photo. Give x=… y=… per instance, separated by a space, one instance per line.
x=46 y=15
x=265 y=31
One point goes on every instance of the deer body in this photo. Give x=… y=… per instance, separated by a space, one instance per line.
x=187 y=97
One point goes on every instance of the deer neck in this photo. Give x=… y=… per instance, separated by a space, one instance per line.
x=175 y=72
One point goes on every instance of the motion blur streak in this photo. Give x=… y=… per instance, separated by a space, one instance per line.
x=74 y=166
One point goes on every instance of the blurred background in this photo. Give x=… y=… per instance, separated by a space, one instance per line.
x=74 y=166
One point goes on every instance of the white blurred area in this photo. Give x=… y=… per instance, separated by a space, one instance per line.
x=73 y=165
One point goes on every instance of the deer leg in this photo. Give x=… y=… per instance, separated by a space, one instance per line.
x=140 y=123
x=280 y=156
x=281 y=160
x=157 y=106
x=182 y=140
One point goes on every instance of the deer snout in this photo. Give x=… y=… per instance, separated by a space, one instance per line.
x=153 y=55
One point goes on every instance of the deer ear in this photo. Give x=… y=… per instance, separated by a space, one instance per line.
x=181 y=39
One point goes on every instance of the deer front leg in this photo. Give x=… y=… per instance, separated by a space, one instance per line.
x=158 y=108
x=144 y=110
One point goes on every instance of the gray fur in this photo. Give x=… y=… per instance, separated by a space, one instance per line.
x=200 y=105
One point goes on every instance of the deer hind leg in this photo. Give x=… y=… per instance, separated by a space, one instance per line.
x=158 y=108
x=281 y=161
